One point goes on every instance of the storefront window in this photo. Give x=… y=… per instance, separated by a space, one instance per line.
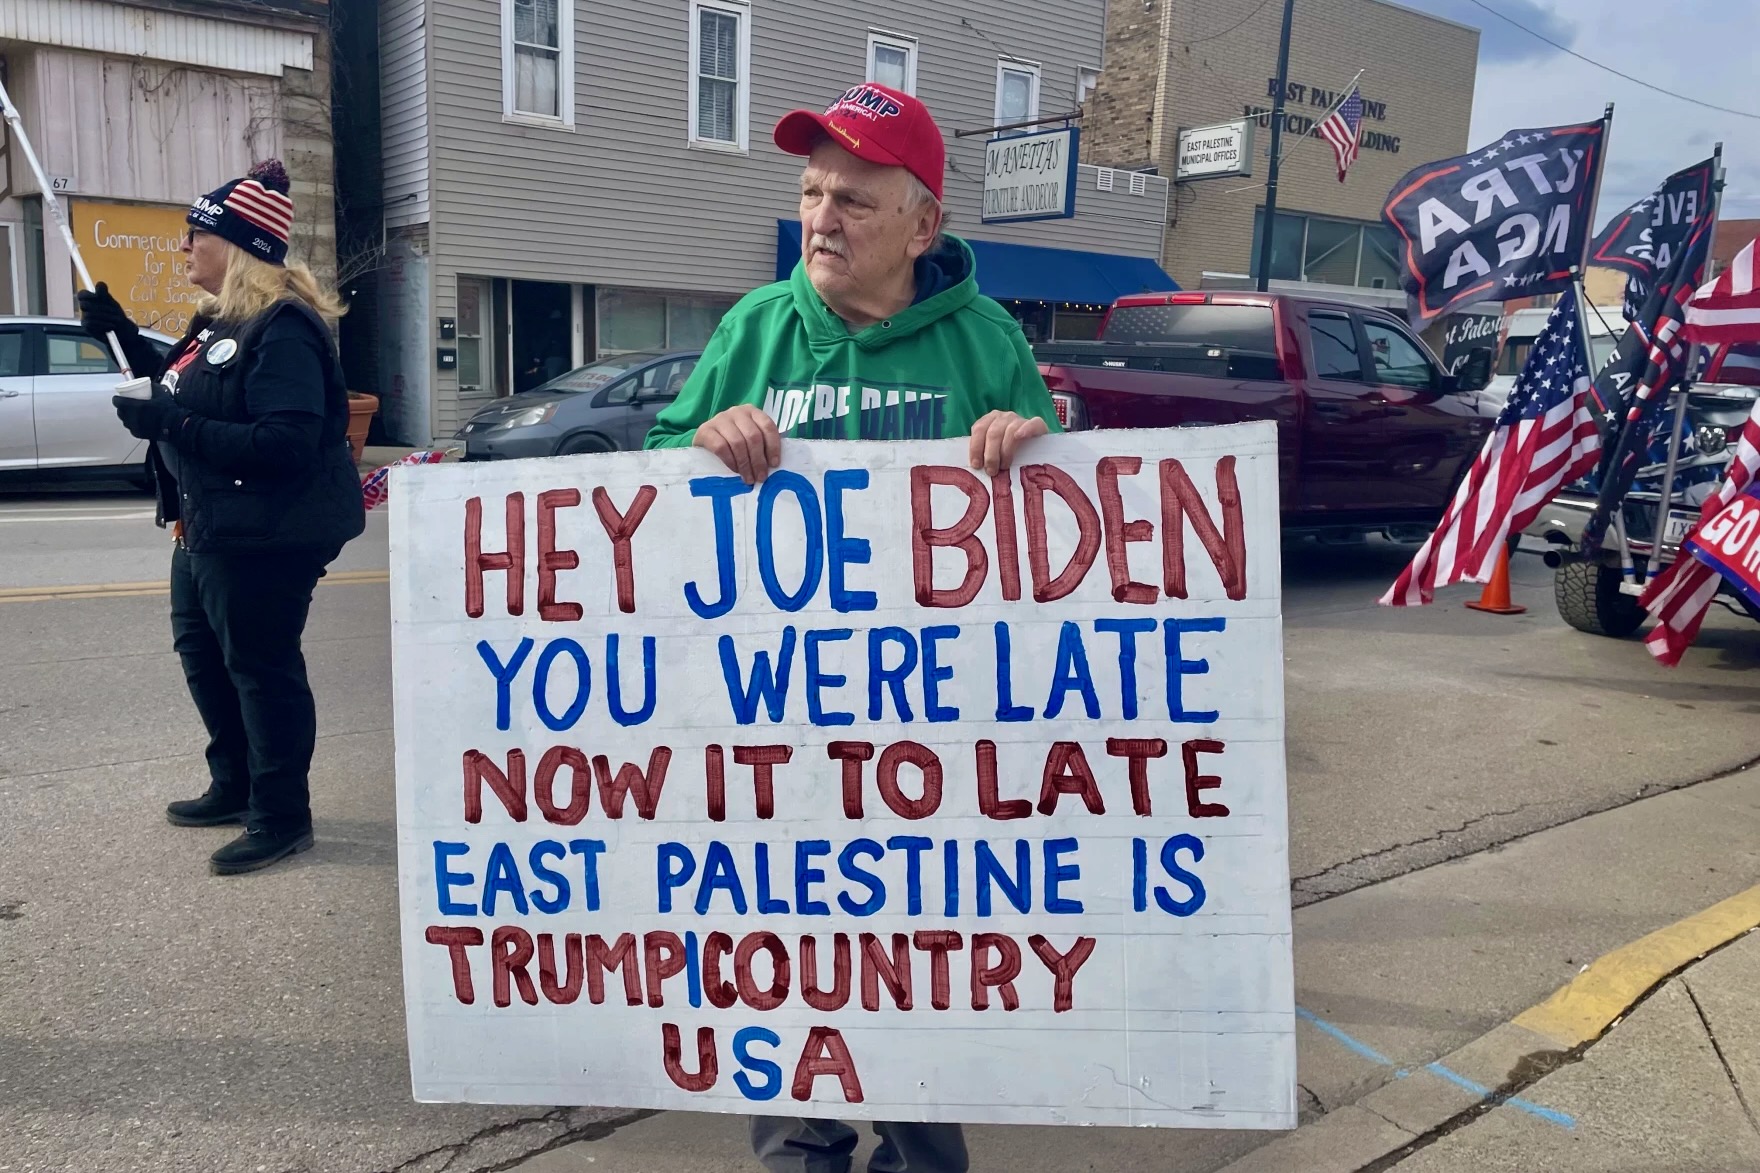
x=1330 y=255
x=631 y=319
x=1331 y=252
x=690 y=320
x=1077 y=325
x=639 y=319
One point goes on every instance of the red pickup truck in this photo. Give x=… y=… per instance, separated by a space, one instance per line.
x=1372 y=434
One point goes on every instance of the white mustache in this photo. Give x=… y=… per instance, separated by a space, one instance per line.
x=831 y=244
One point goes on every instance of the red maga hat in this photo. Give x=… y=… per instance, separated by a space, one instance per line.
x=876 y=123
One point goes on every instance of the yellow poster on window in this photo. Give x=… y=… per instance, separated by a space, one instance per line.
x=136 y=250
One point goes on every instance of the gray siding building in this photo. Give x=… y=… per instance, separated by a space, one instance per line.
x=563 y=180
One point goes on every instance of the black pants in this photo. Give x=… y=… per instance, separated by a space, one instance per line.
x=236 y=621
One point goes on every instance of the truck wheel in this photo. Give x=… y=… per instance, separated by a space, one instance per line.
x=1589 y=599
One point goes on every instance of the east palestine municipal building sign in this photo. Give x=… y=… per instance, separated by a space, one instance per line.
x=1321 y=101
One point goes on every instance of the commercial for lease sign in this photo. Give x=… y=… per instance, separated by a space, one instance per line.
x=1031 y=176
x=882 y=789
x=1210 y=152
x=136 y=250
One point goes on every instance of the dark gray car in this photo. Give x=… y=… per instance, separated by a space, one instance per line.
x=605 y=406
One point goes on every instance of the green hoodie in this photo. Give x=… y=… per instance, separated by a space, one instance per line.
x=929 y=373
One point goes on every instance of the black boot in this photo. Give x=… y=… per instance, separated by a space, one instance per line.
x=254 y=850
x=210 y=810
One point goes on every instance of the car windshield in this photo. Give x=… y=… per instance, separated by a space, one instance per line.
x=596 y=374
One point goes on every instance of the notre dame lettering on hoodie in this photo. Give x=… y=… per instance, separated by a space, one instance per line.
x=928 y=373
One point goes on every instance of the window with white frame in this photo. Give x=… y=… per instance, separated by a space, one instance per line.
x=721 y=58
x=892 y=60
x=537 y=60
x=1017 y=91
x=476 y=341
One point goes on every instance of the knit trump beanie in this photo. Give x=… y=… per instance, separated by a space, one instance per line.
x=254 y=212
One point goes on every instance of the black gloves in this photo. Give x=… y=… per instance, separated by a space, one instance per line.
x=99 y=314
x=158 y=418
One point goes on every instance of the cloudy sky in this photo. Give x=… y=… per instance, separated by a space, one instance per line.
x=1705 y=49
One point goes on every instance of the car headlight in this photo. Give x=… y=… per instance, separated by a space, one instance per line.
x=525 y=419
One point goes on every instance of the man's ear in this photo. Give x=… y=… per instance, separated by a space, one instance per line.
x=926 y=230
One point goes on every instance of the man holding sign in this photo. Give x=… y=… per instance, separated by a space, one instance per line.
x=880 y=334
x=882 y=790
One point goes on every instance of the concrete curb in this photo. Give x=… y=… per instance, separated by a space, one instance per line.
x=1385 y=1126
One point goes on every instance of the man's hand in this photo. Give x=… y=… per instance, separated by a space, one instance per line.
x=745 y=439
x=997 y=436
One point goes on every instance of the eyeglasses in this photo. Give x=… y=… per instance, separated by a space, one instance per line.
x=194 y=234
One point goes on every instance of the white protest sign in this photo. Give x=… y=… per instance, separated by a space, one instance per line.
x=882 y=790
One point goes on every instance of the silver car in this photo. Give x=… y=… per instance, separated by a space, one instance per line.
x=56 y=419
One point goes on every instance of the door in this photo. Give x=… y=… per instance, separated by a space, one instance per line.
x=18 y=430
x=1430 y=430
x=543 y=333
x=76 y=422
x=1342 y=429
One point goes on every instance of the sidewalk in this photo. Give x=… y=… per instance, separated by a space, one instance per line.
x=1673 y=1086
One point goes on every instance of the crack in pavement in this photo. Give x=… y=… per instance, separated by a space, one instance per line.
x=460 y=1150
x=1728 y=1071
x=1303 y=890
x=1380 y=852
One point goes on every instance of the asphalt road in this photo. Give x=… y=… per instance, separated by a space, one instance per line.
x=155 y=1018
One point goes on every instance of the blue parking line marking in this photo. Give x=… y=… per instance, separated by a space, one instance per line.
x=1459 y=1080
x=1370 y=1053
x=1338 y=1036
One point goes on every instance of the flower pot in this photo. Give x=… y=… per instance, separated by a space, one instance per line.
x=361 y=409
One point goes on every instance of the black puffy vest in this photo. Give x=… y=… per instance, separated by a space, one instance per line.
x=317 y=508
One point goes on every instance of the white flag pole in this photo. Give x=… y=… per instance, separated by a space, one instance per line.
x=54 y=203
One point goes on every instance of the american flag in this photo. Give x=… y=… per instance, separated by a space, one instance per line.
x=1545 y=438
x=1727 y=310
x=1679 y=597
x=1657 y=365
x=377 y=487
x=1738 y=364
x=1342 y=129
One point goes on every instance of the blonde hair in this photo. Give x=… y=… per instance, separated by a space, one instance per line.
x=252 y=286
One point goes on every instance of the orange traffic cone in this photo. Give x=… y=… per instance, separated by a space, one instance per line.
x=1495 y=597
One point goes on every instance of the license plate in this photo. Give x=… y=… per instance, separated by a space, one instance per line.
x=1679 y=526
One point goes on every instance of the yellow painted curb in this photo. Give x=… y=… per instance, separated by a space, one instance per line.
x=126 y=590
x=1582 y=1010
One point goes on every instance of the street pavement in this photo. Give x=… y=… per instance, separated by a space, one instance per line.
x=153 y=1017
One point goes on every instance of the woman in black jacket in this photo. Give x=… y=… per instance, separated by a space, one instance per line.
x=248 y=419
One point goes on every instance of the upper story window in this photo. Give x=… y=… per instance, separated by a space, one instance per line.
x=1017 y=91
x=892 y=60
x=721 y=67
x=537 y=61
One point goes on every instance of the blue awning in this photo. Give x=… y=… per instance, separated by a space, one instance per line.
x=1025 y=272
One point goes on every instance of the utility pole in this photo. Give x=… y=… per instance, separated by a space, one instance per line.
x=1269 y=224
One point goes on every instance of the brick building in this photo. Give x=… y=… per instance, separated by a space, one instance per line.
x=1171 y=65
